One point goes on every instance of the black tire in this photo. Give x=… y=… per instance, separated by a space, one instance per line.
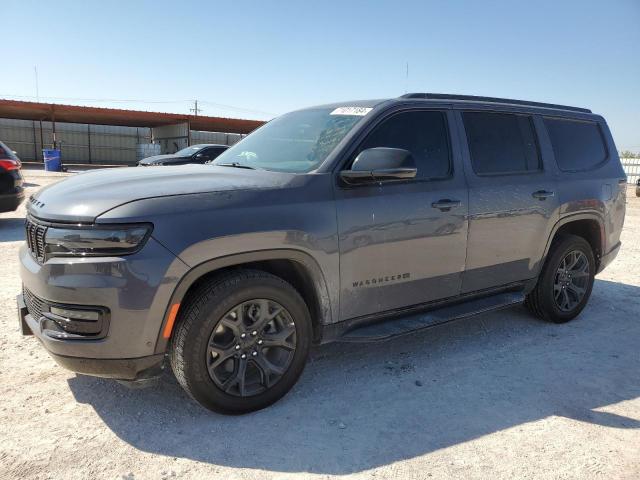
x=541 y=301
x=205 y=311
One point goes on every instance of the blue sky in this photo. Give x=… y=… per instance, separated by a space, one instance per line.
x=265 y=58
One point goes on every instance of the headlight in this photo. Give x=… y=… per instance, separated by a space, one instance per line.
x=95 y=240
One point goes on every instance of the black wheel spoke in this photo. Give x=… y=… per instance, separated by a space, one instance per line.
x=576 y=290
x=219 y=355
x=267 y=313
x=237 y=378
x=233 y=320
x=280 y=339
x=267 y=370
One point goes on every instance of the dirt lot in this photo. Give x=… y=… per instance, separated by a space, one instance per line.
x=497 y=396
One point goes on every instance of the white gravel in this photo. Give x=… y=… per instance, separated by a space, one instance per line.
x=498 y=396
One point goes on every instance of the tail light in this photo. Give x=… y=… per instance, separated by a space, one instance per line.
x=9 y=164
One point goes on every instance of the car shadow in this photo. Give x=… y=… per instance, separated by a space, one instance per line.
x=11 y=229
x=359 y=406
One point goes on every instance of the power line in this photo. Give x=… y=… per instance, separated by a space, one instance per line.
x=231 y=107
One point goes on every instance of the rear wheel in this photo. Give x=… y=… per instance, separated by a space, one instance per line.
x=566 y=281
x=242 y=341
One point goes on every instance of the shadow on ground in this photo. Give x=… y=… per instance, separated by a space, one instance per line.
x=358 y=406
x=11 y=229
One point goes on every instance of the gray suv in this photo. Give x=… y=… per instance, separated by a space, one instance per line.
x=350 y=222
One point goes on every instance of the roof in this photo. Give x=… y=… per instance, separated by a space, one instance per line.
x=112 y=116
x=506 y=101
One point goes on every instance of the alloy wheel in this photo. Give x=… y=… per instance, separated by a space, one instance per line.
x=571 y=280
x=251 y=347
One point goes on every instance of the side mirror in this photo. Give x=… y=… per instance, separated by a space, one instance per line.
x=379 y=164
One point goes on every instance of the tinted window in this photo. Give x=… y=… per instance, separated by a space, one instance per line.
x=214 y=152
x=424 y=134
x=576 y=145
x=501 y=143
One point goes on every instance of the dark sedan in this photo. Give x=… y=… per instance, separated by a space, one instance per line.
x=201 y=153
x=11 y=190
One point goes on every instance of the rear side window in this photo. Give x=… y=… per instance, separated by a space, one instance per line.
x=501 y=143
x=577 y=145
x=423 y=133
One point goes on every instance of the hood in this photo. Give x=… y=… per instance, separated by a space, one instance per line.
x=83 y=197
x=160 y=159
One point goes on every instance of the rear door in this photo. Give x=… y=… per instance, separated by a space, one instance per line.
x=400 y=243
x=512 y=198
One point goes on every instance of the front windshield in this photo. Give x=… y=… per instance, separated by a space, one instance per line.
x=295 y=142
x=187 y=152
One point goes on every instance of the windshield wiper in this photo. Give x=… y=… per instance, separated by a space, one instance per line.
x=235 y=165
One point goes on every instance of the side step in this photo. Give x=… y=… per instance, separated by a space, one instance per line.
x=400 y=325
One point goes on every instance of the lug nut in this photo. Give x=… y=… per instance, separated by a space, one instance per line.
x=243 y=356
x=259 y=342
x=243 y=335
x=254 y=333
x=237 y=347
x=254 y=353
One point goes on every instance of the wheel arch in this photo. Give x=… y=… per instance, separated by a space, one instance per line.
x=589 y=226
x=296 y=267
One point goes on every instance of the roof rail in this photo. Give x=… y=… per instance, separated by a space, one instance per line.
x=473 y=98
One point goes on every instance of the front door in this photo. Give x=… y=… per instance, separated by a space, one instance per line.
x=403 y=243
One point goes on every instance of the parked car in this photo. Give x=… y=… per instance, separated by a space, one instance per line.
x=11 y=190
x=350 y=222
x=638 y=188
x=202 y=153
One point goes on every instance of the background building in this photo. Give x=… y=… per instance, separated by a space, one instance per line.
x=87 y=135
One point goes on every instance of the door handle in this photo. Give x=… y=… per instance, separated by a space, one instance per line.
x=542 y=194
x=445 y=204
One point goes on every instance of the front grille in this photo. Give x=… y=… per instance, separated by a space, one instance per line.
x=35 y=238
x=35 y=306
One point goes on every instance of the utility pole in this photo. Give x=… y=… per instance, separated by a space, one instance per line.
x=35 y=69
x=195 y=108
x=406 y=79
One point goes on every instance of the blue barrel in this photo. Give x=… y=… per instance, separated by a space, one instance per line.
x=52 y=161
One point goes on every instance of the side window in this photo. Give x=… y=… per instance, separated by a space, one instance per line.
x=501 y=143
x=214 y=152
x=577 y=145
x=423 y=133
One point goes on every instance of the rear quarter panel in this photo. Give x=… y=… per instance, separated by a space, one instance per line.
x=599 y=193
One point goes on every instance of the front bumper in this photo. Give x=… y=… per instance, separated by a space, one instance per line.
x=135 y=290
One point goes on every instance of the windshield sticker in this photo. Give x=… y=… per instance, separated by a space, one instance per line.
x=358 y=111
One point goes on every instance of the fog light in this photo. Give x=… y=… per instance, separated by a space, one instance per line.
x=76 y=314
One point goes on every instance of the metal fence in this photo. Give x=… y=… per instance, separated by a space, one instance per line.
x=86 y=144
x=631 y=168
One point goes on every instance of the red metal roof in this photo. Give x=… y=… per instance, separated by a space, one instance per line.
x=113 y=116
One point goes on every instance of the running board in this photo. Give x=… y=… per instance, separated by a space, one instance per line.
x=401 y=325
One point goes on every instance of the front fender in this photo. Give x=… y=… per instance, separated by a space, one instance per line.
x=303 y=259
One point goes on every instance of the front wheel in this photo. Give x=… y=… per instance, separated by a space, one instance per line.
x=242 y=341
x=566 y=281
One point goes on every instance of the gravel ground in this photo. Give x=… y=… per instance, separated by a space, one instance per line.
x=501 y=395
